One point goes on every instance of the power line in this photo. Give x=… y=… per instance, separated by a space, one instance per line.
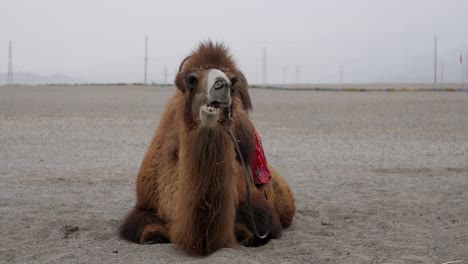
x=10 y=79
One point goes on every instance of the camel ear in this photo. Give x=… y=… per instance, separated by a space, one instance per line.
x=242 y=90
x=180 y=79
x=183 y=64
x=180 y=82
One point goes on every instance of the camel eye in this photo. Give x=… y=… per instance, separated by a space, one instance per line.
x=233 y=80
x=192 y=81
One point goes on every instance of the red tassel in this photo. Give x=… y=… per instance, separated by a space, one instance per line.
x=260 y=172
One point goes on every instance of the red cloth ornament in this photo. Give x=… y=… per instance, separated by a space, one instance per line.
x=260 y=172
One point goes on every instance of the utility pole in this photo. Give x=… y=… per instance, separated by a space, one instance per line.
x=298 y=72
x=10 y=80
x=435 y=59
x=165 y=75
x=462 y=73
x=284 y=74
x=264 y=68
x=146 y=59
x=341 y=70
x=464 y=64
x=442 y=71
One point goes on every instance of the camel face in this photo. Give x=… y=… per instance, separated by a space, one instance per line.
x=210 y=93
x=214 y=95
x=211 y=86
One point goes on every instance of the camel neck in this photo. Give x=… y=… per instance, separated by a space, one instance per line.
x=207 y=193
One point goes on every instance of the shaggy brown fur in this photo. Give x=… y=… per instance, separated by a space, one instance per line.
x=207 y=197
x=190 y=188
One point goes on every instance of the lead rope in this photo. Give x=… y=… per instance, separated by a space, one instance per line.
x=249 y=198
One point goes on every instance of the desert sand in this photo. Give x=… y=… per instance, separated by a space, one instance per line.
x=378 y=177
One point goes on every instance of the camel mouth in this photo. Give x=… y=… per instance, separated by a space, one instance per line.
x=214 y=104
x=210 y=109
x=217 y=104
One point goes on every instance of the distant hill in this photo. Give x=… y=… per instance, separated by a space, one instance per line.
x=26 y=78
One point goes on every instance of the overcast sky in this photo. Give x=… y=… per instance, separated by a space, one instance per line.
x=103 y=40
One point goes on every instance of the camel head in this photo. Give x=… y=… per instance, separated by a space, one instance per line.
x=211 y=94
x=210 y=82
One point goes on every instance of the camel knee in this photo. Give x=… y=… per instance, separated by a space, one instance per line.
x=283 y=198
x=284 y=205
x=143 y=226
x=266 y=221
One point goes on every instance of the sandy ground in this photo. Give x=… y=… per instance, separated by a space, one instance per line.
x=378 y=177
x=378 y=85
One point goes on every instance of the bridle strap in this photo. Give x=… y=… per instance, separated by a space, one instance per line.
x=247 y=188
